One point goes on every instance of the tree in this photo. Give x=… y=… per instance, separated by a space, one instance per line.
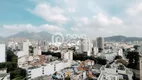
x=101 y=61
x=12 y=60
x=67 y=78
x=53 y=54
x=117 y=57
x=81 y=57
x=2 y=65
x=11 y=65
x=100 y=49
x=122 y=61
x=31 y=49
x=18 y=73
x=136 y=47
x=11 y=57
x=133 y=57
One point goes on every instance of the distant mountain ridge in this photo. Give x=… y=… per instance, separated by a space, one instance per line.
x=32 y=35
x=47 y=36
x=122 y=38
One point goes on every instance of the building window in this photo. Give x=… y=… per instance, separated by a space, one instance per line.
x=54 y=67
x=29 y=71
x=42 y=70
x=29 y=77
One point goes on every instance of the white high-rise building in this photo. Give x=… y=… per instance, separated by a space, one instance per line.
x=94 y=43
x=67 y=55
x=44 y=45
x=83 y=45
x=19 y=46
x=26 y=47
x=120 y=52
x=95 y=50
x=86 y=46
x=37 y=51
x=2 y=53
x=89 y=47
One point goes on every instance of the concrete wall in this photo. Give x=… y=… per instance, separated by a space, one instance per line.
x=2 y=53
x=5 y=77
x=112 y=71
x=67 y=55
x=95 y=50
x=33 y=73
x=49 y=69
x=22 y=61
x=26 y=47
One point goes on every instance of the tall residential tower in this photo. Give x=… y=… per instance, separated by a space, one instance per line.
x=100 y=43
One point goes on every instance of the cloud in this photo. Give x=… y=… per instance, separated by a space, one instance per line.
x=134 y=12
x=104 y=25
x=71 y=3
x=100 y=20
x=72 y=10
x=51 y=28
x=50 y=14
x=13 y=29
x=91 y=17
x=98 y=25
x=136 y=9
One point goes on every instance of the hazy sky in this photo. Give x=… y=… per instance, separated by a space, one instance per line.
x=91 y=17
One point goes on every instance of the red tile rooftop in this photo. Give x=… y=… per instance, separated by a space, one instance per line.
x=88 y=61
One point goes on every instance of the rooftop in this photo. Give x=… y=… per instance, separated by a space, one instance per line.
x=4 y=74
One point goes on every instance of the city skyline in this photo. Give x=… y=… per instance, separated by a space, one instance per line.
x=94 y=17
x=70 y=40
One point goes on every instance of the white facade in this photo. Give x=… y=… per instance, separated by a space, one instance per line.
x=67 y=55
x=104 y=76
x=2 y=53
x=20 y=46
x=89 y=46
x=37 y=51
x=120 y=52
x=48 y=69
x=113 y=71
x=4 y=75
x=78 y=48
x=33 y=73
x=11 y=45
x=22 y=61
x=95 y=50
x=44 y=45
x=86 y=46
x=44 y=48
x=94 y=43
x=83 y=45
x=26 y=47
x=20 y=54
